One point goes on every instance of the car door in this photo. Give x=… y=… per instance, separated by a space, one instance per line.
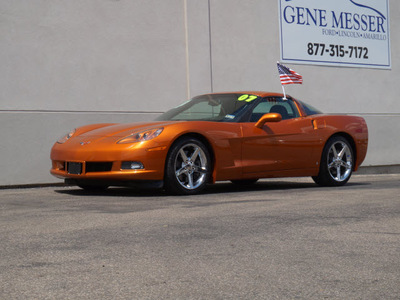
x=286 y=145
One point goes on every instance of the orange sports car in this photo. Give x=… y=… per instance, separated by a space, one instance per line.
x=238 y=136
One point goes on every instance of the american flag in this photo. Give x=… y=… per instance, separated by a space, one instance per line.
x=289 y=76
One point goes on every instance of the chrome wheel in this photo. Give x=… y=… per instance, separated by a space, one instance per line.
x=340 y=161
x=190 y=166
x=336 y=162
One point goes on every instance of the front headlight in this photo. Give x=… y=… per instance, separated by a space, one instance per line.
x=141 y=136
x=66 y=137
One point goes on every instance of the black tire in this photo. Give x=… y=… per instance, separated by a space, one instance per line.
x=244 y=182
x=336 y=164
x=188 y=167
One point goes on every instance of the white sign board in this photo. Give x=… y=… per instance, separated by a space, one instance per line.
x=353 y=33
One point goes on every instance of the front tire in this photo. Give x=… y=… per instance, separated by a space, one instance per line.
x=188 y=167
x=336 y=163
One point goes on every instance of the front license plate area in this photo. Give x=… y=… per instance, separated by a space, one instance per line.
x=74 y=168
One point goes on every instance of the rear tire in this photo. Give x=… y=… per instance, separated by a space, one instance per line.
x=336 y=163
x=188 y=167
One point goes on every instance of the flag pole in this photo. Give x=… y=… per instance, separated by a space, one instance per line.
x=283 y=88
x=284 y=93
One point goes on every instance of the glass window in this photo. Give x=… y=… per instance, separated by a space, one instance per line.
x=212 y=107
x=286 y=108
x=199 y=111
x=309 y=110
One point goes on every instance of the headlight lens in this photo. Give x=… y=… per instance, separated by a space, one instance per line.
x=66 y=137
x=141 y=136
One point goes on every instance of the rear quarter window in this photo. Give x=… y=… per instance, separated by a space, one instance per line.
x=310 y=110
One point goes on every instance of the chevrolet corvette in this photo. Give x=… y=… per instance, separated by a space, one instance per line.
x=238 y=136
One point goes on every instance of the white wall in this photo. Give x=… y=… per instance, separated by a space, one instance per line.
x=69 y=63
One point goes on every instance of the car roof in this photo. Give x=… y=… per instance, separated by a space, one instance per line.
x=256 y=93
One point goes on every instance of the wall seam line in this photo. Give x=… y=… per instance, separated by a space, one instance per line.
x=210 y=43
x=185 y=16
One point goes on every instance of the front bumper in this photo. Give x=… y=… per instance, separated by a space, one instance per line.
x=112 y=174
x=104 y=162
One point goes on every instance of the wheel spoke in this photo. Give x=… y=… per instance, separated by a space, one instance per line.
x=190 y=180
x=335 y=154
x=199 y=169
x=195 y=154
x=342 y=152
x=338 y=173
x=180 y=171
x=346 y=165
x=183 y=155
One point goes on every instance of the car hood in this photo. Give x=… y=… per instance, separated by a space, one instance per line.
x=122 y=130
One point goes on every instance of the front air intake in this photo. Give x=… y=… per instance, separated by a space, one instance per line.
x=98 y=167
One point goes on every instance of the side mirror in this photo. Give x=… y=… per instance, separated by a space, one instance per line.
x=271 y=117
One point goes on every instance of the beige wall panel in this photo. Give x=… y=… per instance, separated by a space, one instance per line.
x=92 y=55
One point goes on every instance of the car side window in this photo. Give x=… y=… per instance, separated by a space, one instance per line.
x=309 y=109
x=286 y=108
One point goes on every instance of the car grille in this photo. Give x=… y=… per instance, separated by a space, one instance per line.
x=78 y=168
x=74 y=168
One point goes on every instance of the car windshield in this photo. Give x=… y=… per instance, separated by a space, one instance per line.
x=211 y=107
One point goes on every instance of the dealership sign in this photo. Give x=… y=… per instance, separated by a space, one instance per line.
x=352 y=33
